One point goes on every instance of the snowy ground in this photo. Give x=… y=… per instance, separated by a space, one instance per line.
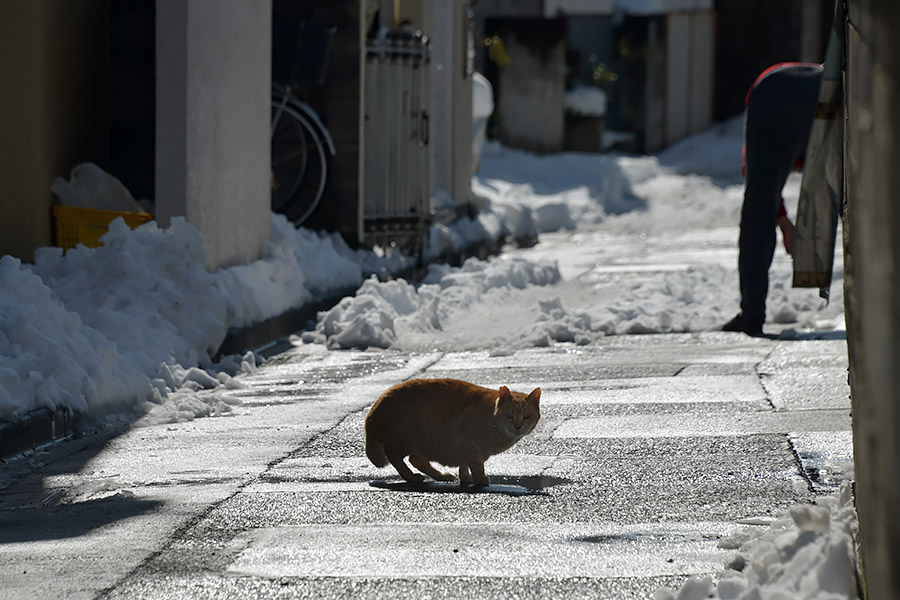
x=683 y=204
x=130 y=327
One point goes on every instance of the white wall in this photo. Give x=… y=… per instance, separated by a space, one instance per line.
x=212 y=122
x=573 y=8
x=451 y=106
x=442 y=67
x=689 y=41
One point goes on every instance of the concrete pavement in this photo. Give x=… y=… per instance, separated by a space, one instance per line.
x=650 y=449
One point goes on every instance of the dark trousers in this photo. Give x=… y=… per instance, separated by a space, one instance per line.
x=779 y=115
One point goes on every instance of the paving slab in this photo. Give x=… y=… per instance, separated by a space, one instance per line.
x=418 y=550
x=698 y=425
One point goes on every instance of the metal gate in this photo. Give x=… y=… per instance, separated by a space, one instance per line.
x=397 y=157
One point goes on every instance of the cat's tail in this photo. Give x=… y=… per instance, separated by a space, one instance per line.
x=375 y=452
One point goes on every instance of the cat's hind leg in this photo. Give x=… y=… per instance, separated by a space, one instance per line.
x=427 y=468
x=396 y=459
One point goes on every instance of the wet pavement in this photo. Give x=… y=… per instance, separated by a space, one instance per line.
x=650 y=449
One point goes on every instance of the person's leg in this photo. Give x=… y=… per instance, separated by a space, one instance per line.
x=779 y=115
x=756 y=245
x=767 y=171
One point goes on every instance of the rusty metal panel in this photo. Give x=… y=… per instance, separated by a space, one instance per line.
x=397 y=158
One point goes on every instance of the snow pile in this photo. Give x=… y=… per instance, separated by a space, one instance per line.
x=379 y=310
x=132 y=325
x=808 y=553
x=715 y=153
x=50 y=357
x=679 y=302
x=147 y=290
x=97 y=330
x=660 y=7
x=586 y=101
x=181 y=401
x=482 y=97
x=703 y=297
x=91 y=187
x=560 y=190
x=299 y=265
x=482 y=109
x=556 y=324
x=490 y=224
x=695 y=183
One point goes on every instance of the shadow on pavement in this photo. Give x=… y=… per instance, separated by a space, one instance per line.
x=34 y=488
x=806 y=336
x=66 y=521
x=509 y=486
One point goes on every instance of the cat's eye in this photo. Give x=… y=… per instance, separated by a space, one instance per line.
x=527 y=417
x=509 y=416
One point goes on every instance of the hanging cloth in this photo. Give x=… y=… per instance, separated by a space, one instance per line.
x=822 y=188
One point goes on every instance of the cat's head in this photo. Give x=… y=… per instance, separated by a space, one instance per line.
x=516 y=413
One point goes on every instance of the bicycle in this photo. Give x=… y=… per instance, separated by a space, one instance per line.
x=301 y=145
x=301 y=148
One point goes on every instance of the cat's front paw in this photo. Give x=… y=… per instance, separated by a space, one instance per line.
x=444 y=477
x=464 y=478
x=485 y=480
x=414 y=478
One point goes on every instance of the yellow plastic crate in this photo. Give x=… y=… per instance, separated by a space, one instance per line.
x=86 y=225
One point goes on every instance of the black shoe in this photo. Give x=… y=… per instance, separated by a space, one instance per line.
x=744 y=325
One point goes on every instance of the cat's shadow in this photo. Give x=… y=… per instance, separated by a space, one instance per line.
x=509 y=486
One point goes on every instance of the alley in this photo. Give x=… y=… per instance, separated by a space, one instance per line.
x=651 y=451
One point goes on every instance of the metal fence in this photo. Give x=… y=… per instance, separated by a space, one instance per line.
x=397 y=157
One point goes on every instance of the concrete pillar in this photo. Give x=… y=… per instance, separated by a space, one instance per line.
x=872 y=287
x=212 y=122
x=531 y=87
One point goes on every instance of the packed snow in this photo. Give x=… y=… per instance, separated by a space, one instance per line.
x=379 y=310
x=585 y=101
x=807 y=553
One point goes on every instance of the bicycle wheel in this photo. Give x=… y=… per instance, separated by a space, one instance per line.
x=299 y=164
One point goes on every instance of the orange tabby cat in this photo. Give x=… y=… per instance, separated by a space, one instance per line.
x=452 y=422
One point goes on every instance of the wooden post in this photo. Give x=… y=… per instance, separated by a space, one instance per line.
x=872 y=283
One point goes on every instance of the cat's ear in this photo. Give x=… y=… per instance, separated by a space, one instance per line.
x=534 y=397
x=504 y=396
